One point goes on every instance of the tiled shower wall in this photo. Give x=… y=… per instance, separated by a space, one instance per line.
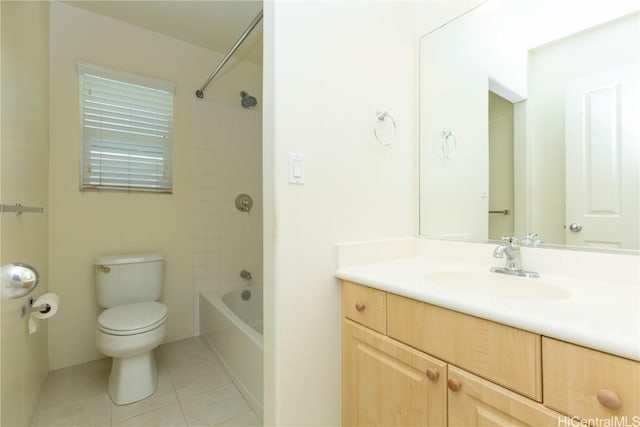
x=227 y=162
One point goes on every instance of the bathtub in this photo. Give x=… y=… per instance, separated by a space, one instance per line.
x=231 y=320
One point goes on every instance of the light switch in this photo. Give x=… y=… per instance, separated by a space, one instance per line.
x=296 y=168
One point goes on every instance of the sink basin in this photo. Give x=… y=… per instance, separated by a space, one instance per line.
x=497 y=285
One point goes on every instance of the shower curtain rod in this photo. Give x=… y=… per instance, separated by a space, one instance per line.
x=256 y=20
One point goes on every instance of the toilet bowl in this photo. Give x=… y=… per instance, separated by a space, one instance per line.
x=133 y=323
x=129 y=334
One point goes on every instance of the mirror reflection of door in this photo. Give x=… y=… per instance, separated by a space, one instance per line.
x=530 y=68
x=602 y=161
x=501 y=173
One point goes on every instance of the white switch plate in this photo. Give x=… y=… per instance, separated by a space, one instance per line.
x=296 y=168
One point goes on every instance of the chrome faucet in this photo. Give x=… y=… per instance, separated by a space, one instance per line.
x=510 y=248
x=246 y=275
x=531 y=240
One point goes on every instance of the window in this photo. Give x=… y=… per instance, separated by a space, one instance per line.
x=127 y=130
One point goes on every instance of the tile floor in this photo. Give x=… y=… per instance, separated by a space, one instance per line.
x=193 y=390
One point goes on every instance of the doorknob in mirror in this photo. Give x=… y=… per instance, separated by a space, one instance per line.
x=575 y=227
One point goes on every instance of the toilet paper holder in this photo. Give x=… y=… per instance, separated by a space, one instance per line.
x=30 y=308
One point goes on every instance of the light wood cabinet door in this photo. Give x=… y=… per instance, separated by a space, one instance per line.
x=473 y=401
x=386 y=383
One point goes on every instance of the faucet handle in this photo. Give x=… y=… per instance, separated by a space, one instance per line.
x=510 y=240
x=531 y=240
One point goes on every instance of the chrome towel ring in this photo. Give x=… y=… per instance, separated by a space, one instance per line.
x=384 y=128
x=448 y=144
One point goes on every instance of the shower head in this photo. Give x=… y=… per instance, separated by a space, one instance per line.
x=248 y=101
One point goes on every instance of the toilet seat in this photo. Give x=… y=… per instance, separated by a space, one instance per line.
x=132 y=319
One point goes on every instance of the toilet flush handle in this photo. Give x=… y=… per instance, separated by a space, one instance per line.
x=105 y=269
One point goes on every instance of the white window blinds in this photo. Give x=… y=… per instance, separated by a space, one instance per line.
x=127 y=130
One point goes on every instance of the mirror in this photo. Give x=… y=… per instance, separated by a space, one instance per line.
x=528 y=123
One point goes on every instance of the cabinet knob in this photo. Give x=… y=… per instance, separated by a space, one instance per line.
x=454 y=385
x=360 y=306
x=609 y=399
x=433 y=374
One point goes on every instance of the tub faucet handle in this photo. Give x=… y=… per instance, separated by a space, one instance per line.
x=245 y=275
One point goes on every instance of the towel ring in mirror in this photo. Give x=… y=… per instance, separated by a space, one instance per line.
x=384 y=128
x=448 y=144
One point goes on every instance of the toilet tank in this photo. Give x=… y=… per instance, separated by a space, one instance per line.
x=128 y=279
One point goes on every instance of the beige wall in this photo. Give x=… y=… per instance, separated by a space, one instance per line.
x=326 y=75
x=430 y=15
x=501 y=161
x=84 y=225
x=24 y=150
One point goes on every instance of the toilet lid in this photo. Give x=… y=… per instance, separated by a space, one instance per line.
x=132 y=318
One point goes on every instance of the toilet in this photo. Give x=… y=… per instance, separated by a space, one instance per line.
x=133 y=323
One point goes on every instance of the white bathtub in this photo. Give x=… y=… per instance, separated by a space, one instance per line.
x=231 y=320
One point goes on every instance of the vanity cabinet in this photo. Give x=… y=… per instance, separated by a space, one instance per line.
x=409 y=363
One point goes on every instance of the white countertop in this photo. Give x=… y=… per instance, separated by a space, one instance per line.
x=594 y=314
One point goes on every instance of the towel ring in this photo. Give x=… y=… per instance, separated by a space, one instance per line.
x=384 y=136
x=448 y=153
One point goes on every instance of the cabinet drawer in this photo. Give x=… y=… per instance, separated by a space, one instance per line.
x=502 y=354
x=577 y=380
x=365 y=305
